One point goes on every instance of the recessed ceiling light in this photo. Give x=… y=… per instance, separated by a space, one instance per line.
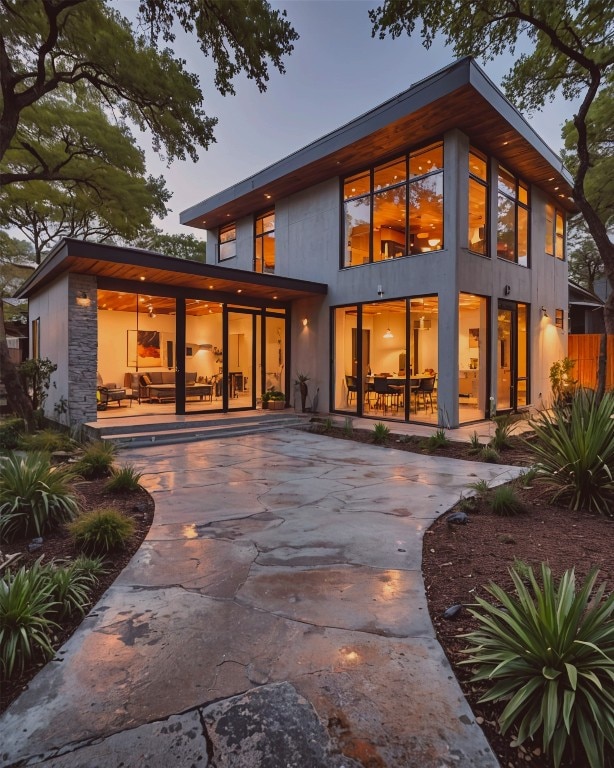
x=210 y=286
x=274 y=297
x=505 y=143
x=239 y=290
x=268 y=197
x=142 y=277
x=551 y=178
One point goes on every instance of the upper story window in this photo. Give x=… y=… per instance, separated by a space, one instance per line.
x=555 y=232
x=395 y=208
x=513 y=219
x=264 y=242
x=478 y=204
x=227 y=242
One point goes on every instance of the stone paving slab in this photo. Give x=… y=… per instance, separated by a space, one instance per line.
x=253 y=576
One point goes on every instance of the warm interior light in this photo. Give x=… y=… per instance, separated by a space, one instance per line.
x=433 y=241
x=422 y=235
x=82 y=299
x=389 y=334
x=305 y=322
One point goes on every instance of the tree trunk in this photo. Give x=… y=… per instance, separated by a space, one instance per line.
x=601 y=367
x=17 y=400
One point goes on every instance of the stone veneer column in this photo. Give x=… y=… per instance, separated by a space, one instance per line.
x=82 y=349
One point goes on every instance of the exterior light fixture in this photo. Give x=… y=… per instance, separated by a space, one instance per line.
x=82 y=299
x=544 y=311
x=142 y=277
x=305 y=322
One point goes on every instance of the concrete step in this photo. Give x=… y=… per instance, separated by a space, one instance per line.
x=182 y=432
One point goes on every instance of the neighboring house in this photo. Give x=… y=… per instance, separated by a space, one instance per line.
x=424 y=240
x=586 y=314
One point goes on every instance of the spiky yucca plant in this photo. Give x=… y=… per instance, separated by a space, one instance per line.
x=548 y=652
x=575 y=451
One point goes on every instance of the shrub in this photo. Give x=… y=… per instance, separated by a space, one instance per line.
x=526 y=477
x=47 y=441
x=505 y=503
x=481 y=487
x=10 y=431
x=474 y=443
x=101 y=531
x=97 y=460
x=71 y=586
x=437 y=440
x=490 y=455
x=26 y=602
x=124 y=480
x=575 y=451
x=503 y=429
x=549 y=654
x=380 y=432
x=34 y=496
x=561 y=381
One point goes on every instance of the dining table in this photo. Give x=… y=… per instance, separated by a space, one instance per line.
x=401 y=381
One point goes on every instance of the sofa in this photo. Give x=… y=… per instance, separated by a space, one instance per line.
x=159 y=386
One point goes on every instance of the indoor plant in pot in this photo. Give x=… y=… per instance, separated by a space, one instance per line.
x=273 y=399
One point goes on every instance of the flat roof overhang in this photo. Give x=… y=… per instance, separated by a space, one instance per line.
x=459 y=96
x=114 y=263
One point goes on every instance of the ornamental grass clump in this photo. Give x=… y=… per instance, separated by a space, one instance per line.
x=547 y=651
x=97 y=460
x=125 y=479
x=575 y=451
x=101 y=531
x=34 y=496
x=381 y=432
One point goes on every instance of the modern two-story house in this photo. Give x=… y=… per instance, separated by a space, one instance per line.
x=412 y=263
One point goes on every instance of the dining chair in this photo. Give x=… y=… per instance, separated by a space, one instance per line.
x=425 y=389
x=386 y=394
x=351 y=382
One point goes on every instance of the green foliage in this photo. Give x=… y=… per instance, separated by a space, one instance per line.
x=505 y=502
x=562 y=384
x=481 y=488
x=272 y=394
x=71 y=586
x=34 y=496
x=46 y=441
x=348 y=426
x=380 y=432
x=527 y=476
x=124 y=480
x=101 y=531
x=185 y=247
x=489 y=455
x=10 y=432
x=35 y=374
x=26 y=603
x=97 y=460
x=474 y=442
x=522 y=569
x=503 y=429
x=548 y=652
x=437 y=440
x=575 y=451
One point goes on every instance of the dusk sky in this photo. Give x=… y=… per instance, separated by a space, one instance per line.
x=336 y=72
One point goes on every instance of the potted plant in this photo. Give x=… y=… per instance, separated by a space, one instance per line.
x=273 y=400
x=301 y=380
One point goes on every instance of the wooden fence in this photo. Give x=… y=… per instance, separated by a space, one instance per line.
x=584 y=349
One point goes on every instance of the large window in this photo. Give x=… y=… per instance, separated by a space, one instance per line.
x=513 y=219
x=228 y=242
x=478 y=204
x=394 y=209
x=555 y=232
x=264 y=258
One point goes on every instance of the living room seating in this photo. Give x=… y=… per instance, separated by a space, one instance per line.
x=159 y=386
x=108 y=393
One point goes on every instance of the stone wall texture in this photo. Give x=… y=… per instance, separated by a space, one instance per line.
x=82 y=349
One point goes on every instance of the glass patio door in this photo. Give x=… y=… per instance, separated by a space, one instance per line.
x=512 y=356
x=240 y=359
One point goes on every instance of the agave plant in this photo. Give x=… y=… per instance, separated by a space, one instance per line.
x=575 y=451
x=34 y=495
x=549 y=653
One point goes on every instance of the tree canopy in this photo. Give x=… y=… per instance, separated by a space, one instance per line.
x=181 y=246
x=49 y=44
x=572 y=52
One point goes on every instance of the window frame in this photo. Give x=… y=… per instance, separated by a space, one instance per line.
x=370 y=171
x=485 y=183
x=518 y=205
x=259 y=238
x=231 y=226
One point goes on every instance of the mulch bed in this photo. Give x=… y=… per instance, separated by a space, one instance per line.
x=58 y=546
x=459 y=560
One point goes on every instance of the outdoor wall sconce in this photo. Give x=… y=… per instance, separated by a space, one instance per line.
x=380 y=291
x=82 y=299
x=507 y=290
x=544 y=311
x=305 y=322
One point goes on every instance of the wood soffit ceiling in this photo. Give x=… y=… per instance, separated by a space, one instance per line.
x=464 y=109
